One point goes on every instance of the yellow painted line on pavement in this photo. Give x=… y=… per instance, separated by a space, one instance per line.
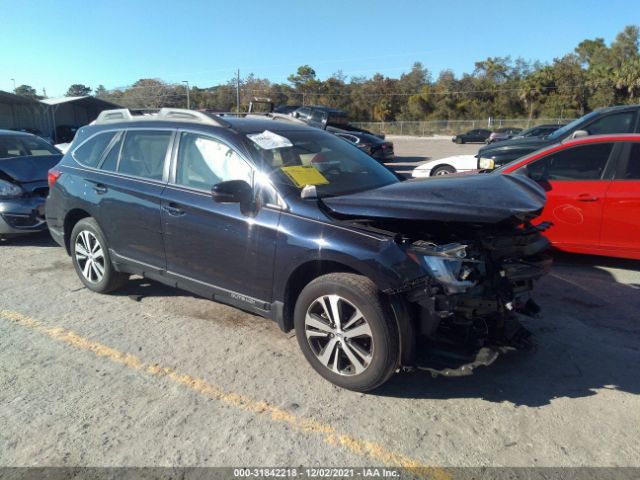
x=374 y=451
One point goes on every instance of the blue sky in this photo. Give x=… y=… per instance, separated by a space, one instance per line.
x=55 y=43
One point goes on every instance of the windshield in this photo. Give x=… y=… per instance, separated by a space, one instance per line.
x=24 y=145
x=335 y=167
x=569 y=126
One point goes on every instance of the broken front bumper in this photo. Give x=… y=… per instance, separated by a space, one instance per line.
x=22 y=215
x=461 y=361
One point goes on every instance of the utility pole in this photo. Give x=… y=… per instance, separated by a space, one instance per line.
x=238 y=92
x=14 y=84
x=186 y=82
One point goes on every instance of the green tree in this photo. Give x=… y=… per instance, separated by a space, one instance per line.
x=305 y=83
x=78 y=90
x=26 y=91
x=627 y=79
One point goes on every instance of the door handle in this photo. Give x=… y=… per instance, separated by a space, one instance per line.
x=586 y=197
x=173 y=210
x=100 y=189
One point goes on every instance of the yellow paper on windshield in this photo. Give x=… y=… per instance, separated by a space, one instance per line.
x=304 y=175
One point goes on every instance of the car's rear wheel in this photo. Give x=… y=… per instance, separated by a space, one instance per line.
x=346 y=331
x=443 y=170
x=91 y=259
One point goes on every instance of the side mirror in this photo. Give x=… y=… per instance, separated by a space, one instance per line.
x=579 y=133
x=232 y=191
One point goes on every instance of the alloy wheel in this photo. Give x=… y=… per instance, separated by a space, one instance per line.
x=339 y=335
x=90 y=256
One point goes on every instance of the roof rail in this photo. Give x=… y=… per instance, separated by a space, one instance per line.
x=176 y=114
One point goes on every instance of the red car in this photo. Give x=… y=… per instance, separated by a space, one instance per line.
x=593 y=193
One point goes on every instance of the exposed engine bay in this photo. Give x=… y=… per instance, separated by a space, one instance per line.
x=466 y=309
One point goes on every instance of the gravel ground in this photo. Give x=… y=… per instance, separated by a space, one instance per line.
x=153 y=376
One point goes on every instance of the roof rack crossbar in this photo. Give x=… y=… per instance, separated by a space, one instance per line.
x=119 y=114
x=178 y=114
x=272 y=115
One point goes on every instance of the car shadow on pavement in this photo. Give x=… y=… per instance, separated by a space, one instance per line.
x=138 y=288
x=40 y=239
x=588 y=340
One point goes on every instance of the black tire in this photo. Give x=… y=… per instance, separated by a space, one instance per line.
x=359 y=292
x=459 y=141
x=110 y=279
x=443 y=170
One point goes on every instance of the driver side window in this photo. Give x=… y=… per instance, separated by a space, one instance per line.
x=585 y=162
x=204 y=162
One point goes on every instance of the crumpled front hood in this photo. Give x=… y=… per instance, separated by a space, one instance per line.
x=29 y=169
x=480 y=198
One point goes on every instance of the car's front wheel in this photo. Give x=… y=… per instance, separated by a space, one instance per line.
x=91 y=259
x=443 y=170
x=346 y=331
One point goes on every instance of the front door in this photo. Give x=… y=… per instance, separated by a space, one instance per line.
x=576 y=187
x=223 y=245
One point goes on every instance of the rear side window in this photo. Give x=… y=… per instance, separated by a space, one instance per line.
x=585 y=162
x=618 y=123
x=90 y=152
x=143 y=153
x=632 y=170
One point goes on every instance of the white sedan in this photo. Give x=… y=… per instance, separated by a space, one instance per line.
x=444 y=166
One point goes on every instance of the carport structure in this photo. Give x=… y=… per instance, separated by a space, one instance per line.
x=74 y=111
x=22 y=112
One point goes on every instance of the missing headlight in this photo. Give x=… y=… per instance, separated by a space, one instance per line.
x=446 y=263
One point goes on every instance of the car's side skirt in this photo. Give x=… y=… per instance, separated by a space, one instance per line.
x=256 y=306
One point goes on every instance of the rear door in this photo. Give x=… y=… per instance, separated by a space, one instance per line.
x=133 y=175
x=576 y=180
x=621 y=215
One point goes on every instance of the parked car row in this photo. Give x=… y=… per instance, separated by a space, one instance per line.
x=483 y=135
x=336 y=121
x=621 y=119
x=590 y=170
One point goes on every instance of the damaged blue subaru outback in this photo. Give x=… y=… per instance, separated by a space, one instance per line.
x=297 y=225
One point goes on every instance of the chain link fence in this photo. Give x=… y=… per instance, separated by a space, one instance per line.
x=452 y=127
